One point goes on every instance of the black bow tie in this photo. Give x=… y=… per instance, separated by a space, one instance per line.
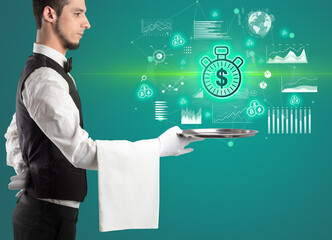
x=68 y=65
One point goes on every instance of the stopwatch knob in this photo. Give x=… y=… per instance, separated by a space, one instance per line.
x=221 y=51
x=205 y=61
x=238 y=61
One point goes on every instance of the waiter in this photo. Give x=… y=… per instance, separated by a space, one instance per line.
x=50 y=151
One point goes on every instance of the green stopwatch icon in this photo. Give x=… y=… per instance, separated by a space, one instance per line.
x=221 y=77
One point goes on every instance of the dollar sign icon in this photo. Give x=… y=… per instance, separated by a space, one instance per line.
x=223 y=81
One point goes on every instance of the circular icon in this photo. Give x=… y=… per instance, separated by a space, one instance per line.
x=259 y=23
x=295 y=100
x=145 y=91
x=263 y=85
x=254 y=103
x=159 y=56
x=141 y=94
x=255 y=108
x=259 y=110
x=267 y=74
x=221 y=77
x=178 y=41
x=148 y=93
x=251 y=112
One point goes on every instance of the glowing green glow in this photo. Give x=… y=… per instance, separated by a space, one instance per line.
x=250 y=42
x=258 y=74
x=183 y=102
x=284 y=32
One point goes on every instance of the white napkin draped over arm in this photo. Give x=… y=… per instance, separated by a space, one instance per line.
x=128 y=184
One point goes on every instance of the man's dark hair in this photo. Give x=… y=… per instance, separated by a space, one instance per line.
x=39 y=5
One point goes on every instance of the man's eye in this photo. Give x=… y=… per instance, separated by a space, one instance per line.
x=77 y=14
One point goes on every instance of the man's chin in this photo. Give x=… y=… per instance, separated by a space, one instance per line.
x=73 y=46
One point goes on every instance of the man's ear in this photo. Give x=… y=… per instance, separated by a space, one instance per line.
x=49 y=15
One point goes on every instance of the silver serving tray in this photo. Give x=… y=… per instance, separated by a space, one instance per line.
x=218 y=133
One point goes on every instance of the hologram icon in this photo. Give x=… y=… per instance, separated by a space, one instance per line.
x=221 y=78
x=159 y=55
x=259 y=23
x=145 y=91
x=178 y=41
x=295 y=100
x=255 y=109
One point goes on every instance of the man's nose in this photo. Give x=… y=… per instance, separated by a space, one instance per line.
x=86 y=23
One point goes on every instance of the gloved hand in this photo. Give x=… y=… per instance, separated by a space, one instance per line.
x=173 y=145
x=20 y=181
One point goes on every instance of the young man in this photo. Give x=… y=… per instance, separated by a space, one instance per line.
x=50 y=150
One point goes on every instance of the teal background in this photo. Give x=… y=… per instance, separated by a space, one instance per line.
x=274 y=188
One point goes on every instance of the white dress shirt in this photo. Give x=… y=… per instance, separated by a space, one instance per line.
x=128 y=172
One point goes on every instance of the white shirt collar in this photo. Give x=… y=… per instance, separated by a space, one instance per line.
x=50 y=52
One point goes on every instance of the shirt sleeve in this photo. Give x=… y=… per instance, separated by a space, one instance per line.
x=47 y=99
x=14 y=154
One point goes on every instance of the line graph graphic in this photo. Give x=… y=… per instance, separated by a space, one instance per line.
x=219 y=115
x=300 y=85
x=156 y=27
x=174 y=87
x=286 y=53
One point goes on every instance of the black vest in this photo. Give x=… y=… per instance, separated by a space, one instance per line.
x=51 y=174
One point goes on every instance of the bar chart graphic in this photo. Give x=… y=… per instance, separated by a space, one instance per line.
x=211 y=30
x=161 y=112
x=289 y=120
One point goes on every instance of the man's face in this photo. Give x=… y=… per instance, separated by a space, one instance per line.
x=71 y=24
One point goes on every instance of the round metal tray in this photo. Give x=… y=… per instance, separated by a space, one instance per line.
x=218 y=133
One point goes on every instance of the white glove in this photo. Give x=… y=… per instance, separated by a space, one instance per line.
x=171 y=144
x=20 y=181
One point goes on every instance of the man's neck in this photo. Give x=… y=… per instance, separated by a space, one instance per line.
x=51 y=41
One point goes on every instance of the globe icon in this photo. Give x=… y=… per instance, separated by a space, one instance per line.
x=259 y=23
